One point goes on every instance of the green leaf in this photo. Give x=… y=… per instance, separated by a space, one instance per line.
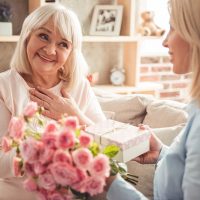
x=122 y=170
x=114 y=167
x=30 y=133
x=40 y=122
x=77 y=132
x=111 y=151
x=94 y=148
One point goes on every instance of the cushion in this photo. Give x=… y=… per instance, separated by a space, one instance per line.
x=165 y=113
x=127 y=108
x=146 y=172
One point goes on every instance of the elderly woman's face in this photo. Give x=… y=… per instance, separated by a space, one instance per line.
x=47 y=51
x=179 y=51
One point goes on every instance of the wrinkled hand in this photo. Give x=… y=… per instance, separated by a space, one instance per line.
x=155 y=147
x=54 y=106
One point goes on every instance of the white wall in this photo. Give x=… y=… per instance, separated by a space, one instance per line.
x=153 y=46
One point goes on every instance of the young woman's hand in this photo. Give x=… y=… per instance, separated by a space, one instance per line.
x=152 y=155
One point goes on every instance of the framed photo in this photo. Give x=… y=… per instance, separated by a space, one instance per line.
x=106 y=20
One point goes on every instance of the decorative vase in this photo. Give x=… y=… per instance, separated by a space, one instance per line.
x=5 y=28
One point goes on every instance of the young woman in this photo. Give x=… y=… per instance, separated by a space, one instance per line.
x=177 y=174
x=47 y=67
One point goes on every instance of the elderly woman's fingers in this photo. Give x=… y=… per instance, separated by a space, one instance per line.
x=51 y=114
x=39 y=95
x=46 y=92
x=40 y=102
x=65 y=94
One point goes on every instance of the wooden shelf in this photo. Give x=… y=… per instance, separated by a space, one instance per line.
x=13 y=38
x=87 y=38
x=141 y=88
x=110 y=39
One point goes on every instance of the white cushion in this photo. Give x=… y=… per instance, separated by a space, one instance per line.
x=127 y=108
x=165 y=113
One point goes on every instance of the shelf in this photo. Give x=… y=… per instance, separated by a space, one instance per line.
x=141 y=88
x=15 y=38
x=110 y=39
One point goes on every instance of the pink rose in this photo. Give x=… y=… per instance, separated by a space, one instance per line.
x=68 y=197
x=45 y=155
x=62 y=156
x=39 y=168
x=64 y=173
x=6 y=144
x=55 y=196
x=100 y=166
x=66 y=139
x=29 y=169
x=17 y=164
x=82 y=178
x=16 y=128
x=47 y=181
x=50 y=127
x=71 y=122
x=49 y=139
x=85 y=139
x=30 y=109
x=82 y=158
x=67 y=194
x=95 y=185
x=30 y=149
x=30 y=185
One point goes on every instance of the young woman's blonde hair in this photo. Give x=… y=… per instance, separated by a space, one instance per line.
x=69 y=27
x=185 y=15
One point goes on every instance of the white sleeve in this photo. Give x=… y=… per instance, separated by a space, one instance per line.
x=93 y=109
x=6 y=159
x=120 y=189
x=191 y=176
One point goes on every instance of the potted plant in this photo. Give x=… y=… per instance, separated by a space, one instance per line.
x=5 y=19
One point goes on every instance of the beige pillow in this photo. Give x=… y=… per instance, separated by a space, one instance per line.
x=146 y=172
x=127 y=108
x=165 y=113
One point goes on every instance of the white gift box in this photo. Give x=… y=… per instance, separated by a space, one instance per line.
x=131 y=140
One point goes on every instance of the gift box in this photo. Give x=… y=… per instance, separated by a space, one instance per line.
x=131 y=140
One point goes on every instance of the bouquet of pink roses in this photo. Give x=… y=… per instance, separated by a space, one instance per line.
x=59 y=160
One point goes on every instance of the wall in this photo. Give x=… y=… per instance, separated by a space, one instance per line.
x=100 y=57
x=158 y=69
x=155 y=66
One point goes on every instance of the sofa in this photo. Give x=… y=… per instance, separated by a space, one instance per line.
x=166 y=117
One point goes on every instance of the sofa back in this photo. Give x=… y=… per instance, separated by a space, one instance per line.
x=138 y=108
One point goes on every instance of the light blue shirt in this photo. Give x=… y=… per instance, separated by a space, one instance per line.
x=177 y=174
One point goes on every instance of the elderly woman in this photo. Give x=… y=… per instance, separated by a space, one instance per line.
x=47 y=67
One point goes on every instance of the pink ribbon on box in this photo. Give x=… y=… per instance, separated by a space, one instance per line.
x=142 y=137
x=110 y=126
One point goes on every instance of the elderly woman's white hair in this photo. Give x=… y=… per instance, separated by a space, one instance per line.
x=69 y=27
x=185 y=16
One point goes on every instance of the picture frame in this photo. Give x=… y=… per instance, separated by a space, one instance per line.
x=106 y=20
